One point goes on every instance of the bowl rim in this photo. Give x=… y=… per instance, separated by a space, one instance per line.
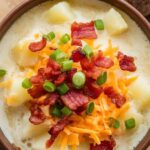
x=26 y=5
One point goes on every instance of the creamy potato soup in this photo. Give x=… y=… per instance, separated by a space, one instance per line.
x=75 y=75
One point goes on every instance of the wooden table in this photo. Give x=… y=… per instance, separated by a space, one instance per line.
x=5 y=7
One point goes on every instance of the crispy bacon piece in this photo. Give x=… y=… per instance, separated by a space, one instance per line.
x=37 y=91
x=102 y=61
x=104 y=145
x=37 y=115
x=87 y=64
x=74 y=100
x=76 y=42
x=56 y=129
x=92 y=89
x=115 y=97
x=77 y=55
x=55 y=67
x=89 y=68
x=37 y=79
x=83 y=31
x=61 y=78
x=51 y=99
x=126 y=62
x=37 y=46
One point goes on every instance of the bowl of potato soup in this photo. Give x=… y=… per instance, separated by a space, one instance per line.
x=74 y=75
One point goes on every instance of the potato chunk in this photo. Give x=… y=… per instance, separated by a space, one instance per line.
x=59 y=13
x=31 y=130
x=23 y=56
x=17 y=95
x=139 y=90
x=114 y=22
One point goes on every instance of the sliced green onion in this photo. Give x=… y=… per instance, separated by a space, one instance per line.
x=102 y=78
x=49 y=86
x=50 y=36
x=66 y=111
x=67 y=65
x=56 y=111
x=63 y=88
x=58 y=56
x=99 y=24
x=26 y=83
x=65 y=38
x=90 y=108
x=79 y=79
x=88 y=51
x=114 y=123
x=2 y=72
x=130 y=123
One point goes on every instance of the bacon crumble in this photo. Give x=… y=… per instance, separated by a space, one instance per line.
x=37 y=46
x=56 y=129
x=37 y=115
x=126 y=62
x=102 y=61
x=115 y=97
x=104 y=145
x=74 y=100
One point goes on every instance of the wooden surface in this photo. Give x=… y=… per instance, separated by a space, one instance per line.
x=5 y=7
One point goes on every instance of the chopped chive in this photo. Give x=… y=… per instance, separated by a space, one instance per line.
x=114 y=123
x=88 y=51
x=66 y=111
x=67 y=65
x=99 y=24
x=79 y=79
x=26 y=83
x=58 y=56
x=56 y=111
x=49 y=86
x=63 y=88
x=130 y=123
x=65 y=38
x=2 y=72
x=102 y=78
x=50 y=36
x=90 y=108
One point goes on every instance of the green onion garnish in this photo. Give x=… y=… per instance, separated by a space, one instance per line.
x=2 y=72
x=90 y=108
x=67 y=65
x=49 y=86
x=102 y=78
x=79 y=79
x=63 y=88
x=88 y=51
x=130 y=123
x=65 y=38
x=114 y=123
x=56 y=111
x=99 y=24
x=50 y=36
x=66 y=111
x=58 y=56
x=26 y=83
